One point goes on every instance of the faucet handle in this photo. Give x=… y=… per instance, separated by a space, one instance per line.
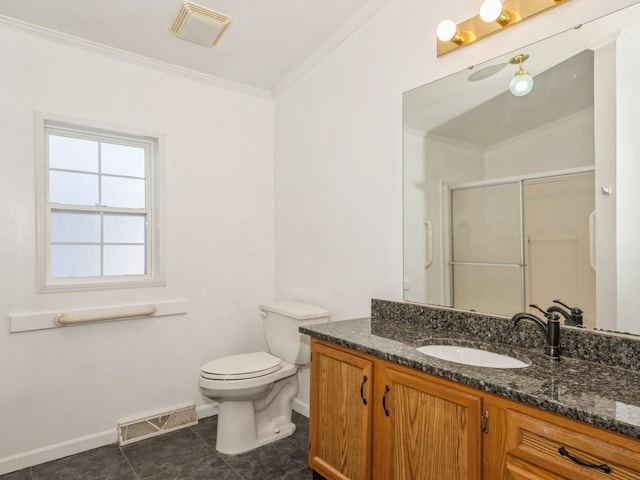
x=563 y=304
x=572 y=310
x=544 y=312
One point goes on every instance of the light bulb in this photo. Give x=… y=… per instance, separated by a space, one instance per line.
x=490 y=10
x=446 y=30
x=521 y=84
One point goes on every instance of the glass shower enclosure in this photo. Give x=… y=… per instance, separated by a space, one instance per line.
x=516 y=242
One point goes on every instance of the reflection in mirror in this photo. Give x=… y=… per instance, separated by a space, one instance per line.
x=517 y=200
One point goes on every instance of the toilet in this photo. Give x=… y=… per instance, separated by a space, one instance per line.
x=255 y=391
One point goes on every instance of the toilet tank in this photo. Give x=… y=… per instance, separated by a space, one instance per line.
x=281 y=321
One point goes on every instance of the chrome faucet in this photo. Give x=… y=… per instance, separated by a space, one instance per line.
x=551 y=331
x=572 y=316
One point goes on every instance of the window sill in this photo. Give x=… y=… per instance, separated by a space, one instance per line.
x=113 y=284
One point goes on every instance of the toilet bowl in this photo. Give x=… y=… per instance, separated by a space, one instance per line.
x=255 y=390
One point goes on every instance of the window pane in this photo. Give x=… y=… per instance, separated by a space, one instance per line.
x=73 y=188
x=75 y=261
x=75 y=227
x=73 y=154
x=122 y=160
x=123 y=192
x=124 y=228
x=124 y=260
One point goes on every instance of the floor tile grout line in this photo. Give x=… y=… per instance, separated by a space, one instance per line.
x=206 y=444
x=231 y=467
x=215 y=452
x=135 y=473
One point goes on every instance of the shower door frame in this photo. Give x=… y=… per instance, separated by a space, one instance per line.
x=450 y=187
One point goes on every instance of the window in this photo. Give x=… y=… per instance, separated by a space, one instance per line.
x=98 y=222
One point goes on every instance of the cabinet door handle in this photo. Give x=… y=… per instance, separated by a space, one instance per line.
x=384 y=400
x=364 y=380
x=604 y=467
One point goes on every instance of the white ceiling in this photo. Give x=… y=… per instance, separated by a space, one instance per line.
x=561 y=91
x=267 y=44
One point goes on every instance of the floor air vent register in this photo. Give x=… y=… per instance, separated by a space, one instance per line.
x=130 y=431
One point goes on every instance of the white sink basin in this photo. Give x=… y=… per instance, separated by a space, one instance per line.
x=471 y=356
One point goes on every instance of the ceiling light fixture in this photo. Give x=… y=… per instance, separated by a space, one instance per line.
x=522 y=83
x=494 y=16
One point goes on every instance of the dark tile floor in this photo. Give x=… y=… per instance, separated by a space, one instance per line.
x=186 y=454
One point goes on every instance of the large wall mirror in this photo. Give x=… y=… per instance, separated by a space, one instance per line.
x=533 y=199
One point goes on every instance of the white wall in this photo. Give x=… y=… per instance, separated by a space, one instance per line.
x=605 y=109
x=563 y=144
x=423 y=200
x=62 y=384
x=628 y=172
x=338 y=157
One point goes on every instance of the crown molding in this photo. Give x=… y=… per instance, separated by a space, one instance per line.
x=133 y=58
x=334 y=41
x=331 y=44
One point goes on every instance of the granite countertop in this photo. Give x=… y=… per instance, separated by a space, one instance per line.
x=601 y=395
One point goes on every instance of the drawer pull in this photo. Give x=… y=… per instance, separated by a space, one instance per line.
x=364 y=400
x=604 y=467
x=384 y=400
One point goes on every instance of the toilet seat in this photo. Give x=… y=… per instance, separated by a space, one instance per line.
x=240 y=367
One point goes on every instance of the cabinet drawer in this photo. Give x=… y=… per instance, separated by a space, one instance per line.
x=539 y=443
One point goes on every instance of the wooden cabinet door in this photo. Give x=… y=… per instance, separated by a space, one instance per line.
x=340 y=419
x=425 y=429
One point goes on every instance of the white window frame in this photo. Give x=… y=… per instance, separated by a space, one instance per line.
x=154 y=155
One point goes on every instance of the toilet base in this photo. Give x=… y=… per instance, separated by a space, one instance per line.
x=247 y=425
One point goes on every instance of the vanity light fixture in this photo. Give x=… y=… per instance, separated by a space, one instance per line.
x=522 y=83
x=493 y=11
x=494 y=16
x=448 y=32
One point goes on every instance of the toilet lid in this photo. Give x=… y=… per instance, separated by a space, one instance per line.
x=245 y=365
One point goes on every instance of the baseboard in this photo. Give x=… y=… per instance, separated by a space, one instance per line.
x=100 y=439
x=208 y=410
x=301 y=407
x=57 y=450
x=76 y=445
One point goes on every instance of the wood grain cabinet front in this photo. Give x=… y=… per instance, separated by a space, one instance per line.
x=557 y=449
x=428 y=429
x=371 y=419
x=340 y=420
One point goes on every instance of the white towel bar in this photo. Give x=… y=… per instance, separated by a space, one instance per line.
x=63 y=319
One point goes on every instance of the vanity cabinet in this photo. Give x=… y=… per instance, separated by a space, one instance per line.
x=340 y=420
x=373 y=419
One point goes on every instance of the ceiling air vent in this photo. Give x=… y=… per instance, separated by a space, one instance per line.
x=198 y=24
